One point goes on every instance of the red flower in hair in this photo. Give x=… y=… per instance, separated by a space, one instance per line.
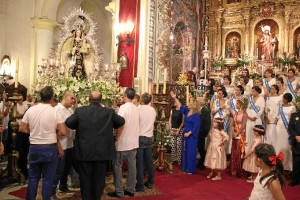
x=273 y=159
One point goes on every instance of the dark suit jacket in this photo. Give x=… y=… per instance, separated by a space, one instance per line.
x=294 y=129
x=205 y=122
x=94 y=139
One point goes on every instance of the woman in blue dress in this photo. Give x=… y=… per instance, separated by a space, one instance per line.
x=190 y=134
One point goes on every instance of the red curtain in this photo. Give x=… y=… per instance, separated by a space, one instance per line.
x=130 y=10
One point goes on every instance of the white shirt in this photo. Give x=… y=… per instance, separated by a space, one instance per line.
x=28 y=103
x=147 y=115
x=21 y=110
x=42 y=120
x=67 y=140
x=129 y=138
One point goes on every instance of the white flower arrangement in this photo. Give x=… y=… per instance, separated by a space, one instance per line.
x=82 y=88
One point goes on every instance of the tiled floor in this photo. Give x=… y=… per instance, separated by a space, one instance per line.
x=8 y=188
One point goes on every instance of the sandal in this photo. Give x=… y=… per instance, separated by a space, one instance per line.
x=210 y=175
x=217 y=178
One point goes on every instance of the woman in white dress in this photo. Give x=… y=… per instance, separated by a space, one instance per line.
x=269 y=80
x=255 y=111
x=220 y=108
x=292 y=83
x=281 y=143
x=229 y=88
x=280 y=84
x=271 y=113
x=247 y=74
x=264 y=91
x=247 y=89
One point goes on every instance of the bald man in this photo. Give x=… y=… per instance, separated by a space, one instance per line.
x=94 y=144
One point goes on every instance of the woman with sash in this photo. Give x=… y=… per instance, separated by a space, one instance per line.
x=255 y=111
x=271 y=113
x=229 y=88
x=247 y=89
x=269 y=80
x=239 y=91
x=238 y=138
x=264 y=91
x=220 y=108
x=282 y=135
x=292 y=83
x=280 y=84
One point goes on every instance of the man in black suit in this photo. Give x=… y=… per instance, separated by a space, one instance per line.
x=294 y=130
x=203 y=131
x=94 y=144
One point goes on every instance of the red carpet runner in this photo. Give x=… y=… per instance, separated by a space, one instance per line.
x=178 y=186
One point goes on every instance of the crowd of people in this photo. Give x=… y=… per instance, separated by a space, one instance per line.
x=250 y=126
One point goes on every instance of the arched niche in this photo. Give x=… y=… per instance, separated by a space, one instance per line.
x=233 y=45
x=266 y=38
x=296 y=41
x=178 y=41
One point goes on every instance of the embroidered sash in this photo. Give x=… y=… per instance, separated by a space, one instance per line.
x=291 y=88
x=267 y=84
x=226 y=124
x=255 y=108
x=284 y=120
x=232 y=104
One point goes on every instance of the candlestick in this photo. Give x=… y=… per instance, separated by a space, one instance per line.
x=157 y=80
x=17 y=74
x=187 y=95
x=165 y=80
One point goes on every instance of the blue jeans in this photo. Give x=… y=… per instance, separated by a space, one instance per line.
x=42 y=161
x=58 y=173
x=144 y=158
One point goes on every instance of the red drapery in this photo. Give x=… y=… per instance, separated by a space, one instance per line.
x=130 y=10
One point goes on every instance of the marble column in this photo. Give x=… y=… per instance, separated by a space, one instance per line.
x=41 y=43
x=113 y=8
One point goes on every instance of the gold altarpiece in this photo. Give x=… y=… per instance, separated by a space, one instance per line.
x=234 y=28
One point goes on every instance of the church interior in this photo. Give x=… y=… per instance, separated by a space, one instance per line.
x=153 y=46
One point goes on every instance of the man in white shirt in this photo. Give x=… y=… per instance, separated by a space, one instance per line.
x=29 y=101
x=127 y=142
x=147 y=116
x=66 y=144
x=43 y=123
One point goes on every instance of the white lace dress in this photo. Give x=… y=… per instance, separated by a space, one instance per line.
x=260 y=191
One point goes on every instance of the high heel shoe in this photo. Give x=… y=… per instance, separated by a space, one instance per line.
x=210 y=175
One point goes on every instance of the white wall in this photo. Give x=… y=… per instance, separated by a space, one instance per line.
x=15 y=34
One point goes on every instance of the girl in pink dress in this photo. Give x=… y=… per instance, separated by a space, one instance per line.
x=216 y=156
x=249 y=163
x=268 y=183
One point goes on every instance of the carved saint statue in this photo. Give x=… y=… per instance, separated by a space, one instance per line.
x=77 y=54
x=298 y=46
x=233 y=47
x=268 y=43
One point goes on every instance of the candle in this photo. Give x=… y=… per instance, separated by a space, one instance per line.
x=165 y=80
x=187 y=95
x=17 y=74
x=157 y=80
x=106 y=67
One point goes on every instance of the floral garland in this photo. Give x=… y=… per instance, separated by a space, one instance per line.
x=286 y=59
x=82 y=89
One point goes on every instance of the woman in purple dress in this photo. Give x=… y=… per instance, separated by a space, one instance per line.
x=190 y=134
